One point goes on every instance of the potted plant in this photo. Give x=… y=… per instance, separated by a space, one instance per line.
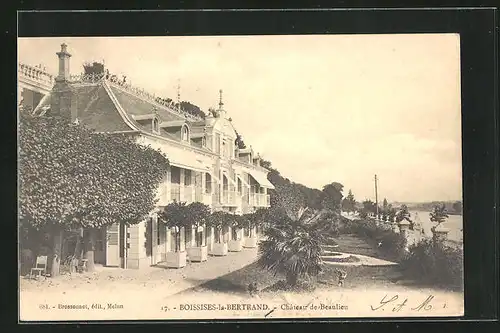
x=196 y=218
x=249 y=222
x=174 y=217
x=218 y=221
x=236 y=240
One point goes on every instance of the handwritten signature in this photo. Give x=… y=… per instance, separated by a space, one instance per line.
x=397 y=303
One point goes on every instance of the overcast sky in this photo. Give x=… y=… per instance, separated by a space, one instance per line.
x=321 y=108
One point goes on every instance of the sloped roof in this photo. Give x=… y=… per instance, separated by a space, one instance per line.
x=173 y=123
x=138 y=107
x=97 y=110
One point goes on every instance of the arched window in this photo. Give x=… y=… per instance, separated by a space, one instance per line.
x=156 y=127
x=185 y=133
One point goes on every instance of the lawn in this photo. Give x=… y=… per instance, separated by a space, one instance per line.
x=357 y=276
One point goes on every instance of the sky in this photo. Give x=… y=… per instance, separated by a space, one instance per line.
x=321 y=108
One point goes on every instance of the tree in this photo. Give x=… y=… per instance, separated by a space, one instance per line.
x=457 y=207
x=174 y=216
x=369 y=207
x=293 y=246
x=220 y=220
x=404 y=214
x=196 y=216
x=95 y=68
x=289 y=199
x=438 y=215
x=71 y=177
x=192 y=109
x=349 y=203
x=392 y=213
x=385 y=209
x=239 y=141
x=332 y=196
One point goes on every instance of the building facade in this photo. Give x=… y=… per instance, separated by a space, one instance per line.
x=205 y=164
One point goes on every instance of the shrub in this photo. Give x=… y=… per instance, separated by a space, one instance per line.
x=390 y=242
x=435 y=263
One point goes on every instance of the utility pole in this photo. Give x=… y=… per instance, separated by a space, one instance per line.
x=376 y=197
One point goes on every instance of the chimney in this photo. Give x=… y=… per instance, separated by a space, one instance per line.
x=63 y=98
x=63 y=63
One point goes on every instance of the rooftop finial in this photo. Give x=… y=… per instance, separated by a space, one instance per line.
x=221 y=104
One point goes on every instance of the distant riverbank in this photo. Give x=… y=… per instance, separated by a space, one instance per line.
x=454 y=223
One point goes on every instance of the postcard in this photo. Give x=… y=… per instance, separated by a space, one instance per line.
x=240 y=177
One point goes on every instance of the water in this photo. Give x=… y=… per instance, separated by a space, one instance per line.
x=454 y=223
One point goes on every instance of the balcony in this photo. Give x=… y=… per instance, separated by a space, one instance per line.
x=36 y=76
x=175 y=192
x=259 y=200
x=229 y=198
x=188 y=194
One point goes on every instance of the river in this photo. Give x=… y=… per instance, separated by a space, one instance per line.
x=454 y=223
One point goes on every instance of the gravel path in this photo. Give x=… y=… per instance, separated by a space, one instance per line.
x=133 y=288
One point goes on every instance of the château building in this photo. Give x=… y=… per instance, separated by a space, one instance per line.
x=205 y=164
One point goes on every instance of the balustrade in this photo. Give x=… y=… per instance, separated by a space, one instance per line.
x=259 y=200
x=37 y=74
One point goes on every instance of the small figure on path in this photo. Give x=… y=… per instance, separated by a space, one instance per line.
x=252 y=288
x=379 y=244
x=342 y=275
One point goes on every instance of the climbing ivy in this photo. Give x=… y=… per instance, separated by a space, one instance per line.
x=70 y=176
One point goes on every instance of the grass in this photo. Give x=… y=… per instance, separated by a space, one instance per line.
x=346 y=259
x=357 y=276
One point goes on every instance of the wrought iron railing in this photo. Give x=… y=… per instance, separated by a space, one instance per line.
x=149 y=97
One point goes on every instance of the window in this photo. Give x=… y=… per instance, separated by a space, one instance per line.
x=239 y=186
x=156 y=127
x=224 y=151
x=187 y=177
x=185 y=133
x=208 y=183
x=203 y=141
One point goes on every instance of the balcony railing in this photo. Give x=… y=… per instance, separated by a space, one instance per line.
x=143 y=94
x=259 y=200
x=36 y=74
x=198 y=196
x=229 y=198
x=188 y=194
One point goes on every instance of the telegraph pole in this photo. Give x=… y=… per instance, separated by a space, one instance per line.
x=376 y=197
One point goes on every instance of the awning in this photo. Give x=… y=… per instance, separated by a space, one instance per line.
x=260 y=177
x=186 y=160
x=229 y=178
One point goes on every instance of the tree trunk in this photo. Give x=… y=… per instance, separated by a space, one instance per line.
x=291 y=279
x=89 y=238
x=77 y=254
x=57 y=236
x=78 y=247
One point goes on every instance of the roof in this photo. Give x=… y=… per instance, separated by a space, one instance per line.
x=173 y=123
x=143 y=117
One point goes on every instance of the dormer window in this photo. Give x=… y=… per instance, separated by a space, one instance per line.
x=156 y=125
x=185 y=133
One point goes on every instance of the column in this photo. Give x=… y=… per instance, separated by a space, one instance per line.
x=168 y=187
x=19 y=94
x=181 y=185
